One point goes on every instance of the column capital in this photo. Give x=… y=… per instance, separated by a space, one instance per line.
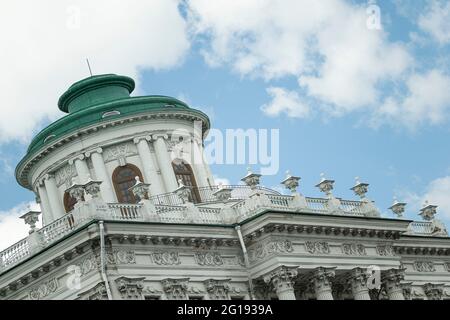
x=160 y=135
x=281 y=275
x=77 y=157
x=136 y=140
x=48 y=176
x=393 y=276
x=321 y=278
x=357 y=283
x=88 y=153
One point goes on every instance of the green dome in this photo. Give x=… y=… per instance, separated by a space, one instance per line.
x=95 y=90
x=96 y=100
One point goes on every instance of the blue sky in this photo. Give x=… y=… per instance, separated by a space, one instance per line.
x=349 y=100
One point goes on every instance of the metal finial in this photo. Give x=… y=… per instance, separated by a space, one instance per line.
x=89 y=66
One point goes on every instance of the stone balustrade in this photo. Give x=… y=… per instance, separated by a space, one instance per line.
x=244 y=203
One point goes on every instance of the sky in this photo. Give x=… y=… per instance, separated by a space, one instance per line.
x=355 y=88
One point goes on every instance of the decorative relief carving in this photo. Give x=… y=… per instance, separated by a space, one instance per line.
x=130 y=288
x=167 y=258
x=385 y=250
x=208 y=258
x=65 y=175
x=120 y=152
x=269 y=248
x=92 y=262
x=317 y=247
x=175 y=289
x=354 y=249
x=96 y=293
x=424 y=266
x=44 y=289
x=218 y=289
x=447 y=266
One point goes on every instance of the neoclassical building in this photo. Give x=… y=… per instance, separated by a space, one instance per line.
x=130 y=210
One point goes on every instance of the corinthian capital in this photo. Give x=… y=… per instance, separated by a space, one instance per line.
x=321 y=278
x=281 y=276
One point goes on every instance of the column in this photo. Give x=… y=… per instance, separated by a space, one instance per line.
x=282 y=278
x=150 y=174
x=164 y=162
x=54 y=197
x=321 y=283
x=102 y=175
x=391 y=281
x=81 y=168
x=200 y=164
x=47 y=215
x=357 y=282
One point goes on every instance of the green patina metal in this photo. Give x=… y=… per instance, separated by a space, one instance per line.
x=88 y=100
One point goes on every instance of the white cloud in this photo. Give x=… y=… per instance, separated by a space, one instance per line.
x=45 y=44
x=437 y=193
x=13 y=229
x=427 y=100
x=436 y=21
x=221 y=181
x=326 y=45
x=284 y=101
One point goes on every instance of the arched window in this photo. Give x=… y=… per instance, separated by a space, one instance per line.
x=69 y=202
x=123 y=179
x=184 y=172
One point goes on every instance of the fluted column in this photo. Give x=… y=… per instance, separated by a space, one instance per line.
x=101 y=174
x=164 y=162
x=150 y=174
x=391 y=281
x=81 y=168
x=54 y=197
x=47 y=215
x=282 y=278
x=200 y=164
x=321 y=283
x=357 y=281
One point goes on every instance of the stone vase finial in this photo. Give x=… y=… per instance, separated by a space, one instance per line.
x=251 y=179
x=398 y=208
x=325 y=185
x=140 y=189
x=360 y=188
x=30 y=218
x=290 y=182
x=428 y=211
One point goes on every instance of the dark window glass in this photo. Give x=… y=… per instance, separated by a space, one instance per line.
x=124 y=178
x=183 y=172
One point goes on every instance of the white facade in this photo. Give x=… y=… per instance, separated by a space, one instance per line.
x=232 y=242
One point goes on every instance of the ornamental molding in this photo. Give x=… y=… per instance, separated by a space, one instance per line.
x=119 y=152
x=424 y=266
x=65 y=174
x=320 y=247
x=43 y=290
x=270 y=248
x=98 y=292
x=212 y=259
x=447 y=266
x=25 y=167
x=385 y=250
x=167 y=258
x=175 y=289
x=433 y=291
x=218 y=289
x=353 y=249
x=130 y=288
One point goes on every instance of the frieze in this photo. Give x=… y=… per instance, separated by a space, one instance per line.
x=354 y=249
x=269 y=248
x=385 y=250
x=447 y=266
x=166 y=258
x=208 y=258
x=65 y=175
x=44 y=289
x=120 y=152
x=317 y=247
x=424 y=266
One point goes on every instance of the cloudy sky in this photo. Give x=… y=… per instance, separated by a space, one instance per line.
x=350 y=96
